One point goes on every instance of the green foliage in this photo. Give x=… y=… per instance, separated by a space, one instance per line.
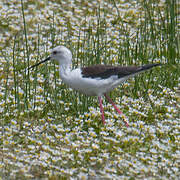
x=43 y=120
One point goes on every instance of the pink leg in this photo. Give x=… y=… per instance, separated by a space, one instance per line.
x=115 y=107
x=101 y=109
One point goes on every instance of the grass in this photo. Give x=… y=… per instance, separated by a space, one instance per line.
x=48 y=130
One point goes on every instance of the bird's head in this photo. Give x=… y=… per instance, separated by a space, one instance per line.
x=61 y=54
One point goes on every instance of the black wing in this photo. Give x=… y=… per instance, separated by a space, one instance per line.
x=104 y=71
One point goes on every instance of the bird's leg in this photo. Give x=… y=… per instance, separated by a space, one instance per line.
x=115 y=107
x=101 y=109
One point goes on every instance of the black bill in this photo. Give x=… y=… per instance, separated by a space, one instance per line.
x=39 y=63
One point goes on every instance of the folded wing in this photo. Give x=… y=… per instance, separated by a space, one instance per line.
x=104 y=72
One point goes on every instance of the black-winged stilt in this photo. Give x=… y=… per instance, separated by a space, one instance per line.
x=95 y=80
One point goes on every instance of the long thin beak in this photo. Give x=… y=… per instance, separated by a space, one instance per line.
x=39 y=63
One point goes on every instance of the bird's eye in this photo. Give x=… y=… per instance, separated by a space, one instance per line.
x=54 y=52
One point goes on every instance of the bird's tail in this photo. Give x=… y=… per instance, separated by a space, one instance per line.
x=148 y=66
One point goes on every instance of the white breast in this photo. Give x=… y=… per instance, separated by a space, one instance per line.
x=88 y=86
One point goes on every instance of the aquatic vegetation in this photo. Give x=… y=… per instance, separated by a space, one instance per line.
x=49 y=130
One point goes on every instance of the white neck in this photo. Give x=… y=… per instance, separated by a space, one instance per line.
x=64 y=70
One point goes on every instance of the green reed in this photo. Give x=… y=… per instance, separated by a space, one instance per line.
x=93 y=48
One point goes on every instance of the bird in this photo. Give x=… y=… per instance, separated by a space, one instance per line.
x=96 y=80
